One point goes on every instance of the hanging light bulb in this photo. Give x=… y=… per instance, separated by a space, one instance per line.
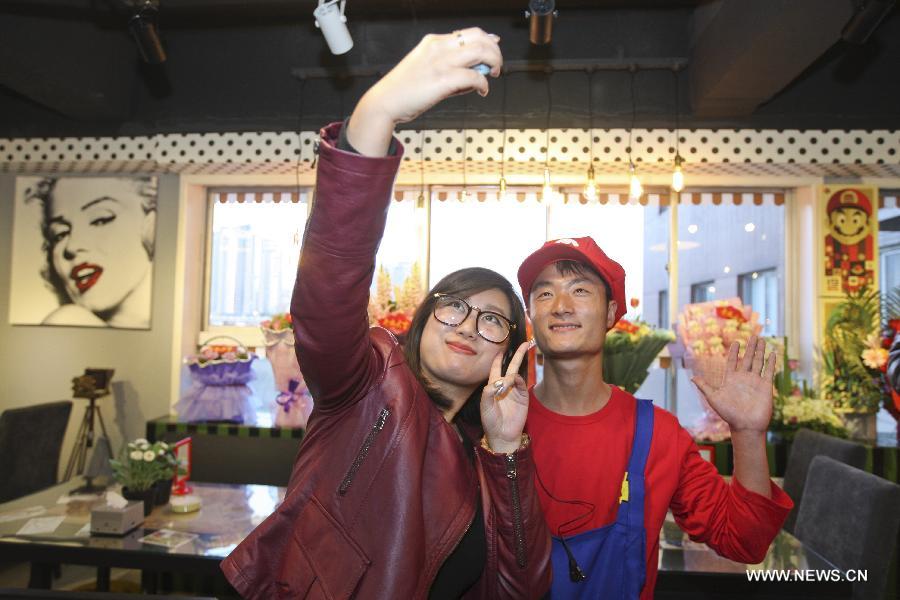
x=635 y=189
x=501 y=195
x=590 y=188
x=547 y=190
x=677 y=175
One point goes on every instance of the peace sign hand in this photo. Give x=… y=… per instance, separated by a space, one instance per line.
x=504 y=404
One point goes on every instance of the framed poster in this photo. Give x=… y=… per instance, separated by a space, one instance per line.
x=849 y=258
x=83 y=251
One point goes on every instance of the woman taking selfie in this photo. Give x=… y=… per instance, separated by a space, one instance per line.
x=415 y=479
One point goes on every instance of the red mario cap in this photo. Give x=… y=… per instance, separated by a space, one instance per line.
x=584 y=250
x=848 y=198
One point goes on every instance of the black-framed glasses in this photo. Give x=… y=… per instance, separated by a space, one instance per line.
x=490 y=325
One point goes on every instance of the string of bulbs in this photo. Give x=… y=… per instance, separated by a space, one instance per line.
x=635 y=188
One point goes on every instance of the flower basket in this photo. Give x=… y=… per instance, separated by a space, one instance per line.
x=629 y=351
x=293 y=402
x=219 y=389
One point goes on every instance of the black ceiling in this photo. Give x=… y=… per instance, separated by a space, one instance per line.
x=68 y=67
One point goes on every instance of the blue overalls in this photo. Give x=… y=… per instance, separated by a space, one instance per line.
x=613 y=558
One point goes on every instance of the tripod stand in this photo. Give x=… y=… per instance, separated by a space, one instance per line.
x=85 y=440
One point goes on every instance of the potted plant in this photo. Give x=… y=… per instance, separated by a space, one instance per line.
x=166 y=456
x=138 y=469
x=798 y=406
x=851 y=376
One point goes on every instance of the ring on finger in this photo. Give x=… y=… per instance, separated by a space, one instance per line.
x=498 y=385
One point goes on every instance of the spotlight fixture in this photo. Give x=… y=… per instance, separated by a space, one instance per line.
x=145 y=31
x=331 y=20
x=865 y=20
x=540 y=15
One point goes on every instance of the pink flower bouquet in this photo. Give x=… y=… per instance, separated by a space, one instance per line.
x=707 y=330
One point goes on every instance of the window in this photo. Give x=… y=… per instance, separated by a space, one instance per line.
x=703 y=291
x=481 y=230
x=255 y=245
x=760 y=290
x=403 y=239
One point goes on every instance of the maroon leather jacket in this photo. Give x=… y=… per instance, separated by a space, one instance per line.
x=381 y=491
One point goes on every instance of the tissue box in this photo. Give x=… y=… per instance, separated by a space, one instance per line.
x=117 y=521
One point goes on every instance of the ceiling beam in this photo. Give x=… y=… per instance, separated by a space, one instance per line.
x=746 y=52
x=71 y=67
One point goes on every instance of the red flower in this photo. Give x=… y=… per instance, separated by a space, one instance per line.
x=626 y=326
x=730 y=312
x=395 y=322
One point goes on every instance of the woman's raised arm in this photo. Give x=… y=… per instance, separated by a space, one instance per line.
x=349 y=211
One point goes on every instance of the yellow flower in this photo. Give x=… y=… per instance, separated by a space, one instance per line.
x=875 y=358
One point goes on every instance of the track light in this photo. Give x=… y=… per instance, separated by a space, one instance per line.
x=145 y=31
x=865 y=20
x=330 y=19
x=540 y=15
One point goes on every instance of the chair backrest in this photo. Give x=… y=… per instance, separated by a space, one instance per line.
x=850 y=517
x=807 y=445
x=30 y=442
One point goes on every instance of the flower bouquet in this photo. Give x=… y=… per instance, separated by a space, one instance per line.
x=219 y=390
x=293 y=402
x=707 y=330
x=392 y=307
x=630 y=349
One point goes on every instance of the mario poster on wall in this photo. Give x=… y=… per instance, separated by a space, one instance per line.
x=850 y=228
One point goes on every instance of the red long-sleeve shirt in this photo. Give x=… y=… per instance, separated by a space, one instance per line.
x=585 y=457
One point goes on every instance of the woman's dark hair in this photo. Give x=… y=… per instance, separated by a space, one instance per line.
x=464 y=283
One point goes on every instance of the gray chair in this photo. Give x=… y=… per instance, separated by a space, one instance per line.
x=807 y=445
x=850 y=517
x=30 y=442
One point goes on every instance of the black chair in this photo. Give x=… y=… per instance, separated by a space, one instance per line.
x=30 y=442
x=850 y=517
x=807 y=445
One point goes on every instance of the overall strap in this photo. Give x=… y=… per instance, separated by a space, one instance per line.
x=633 y=513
